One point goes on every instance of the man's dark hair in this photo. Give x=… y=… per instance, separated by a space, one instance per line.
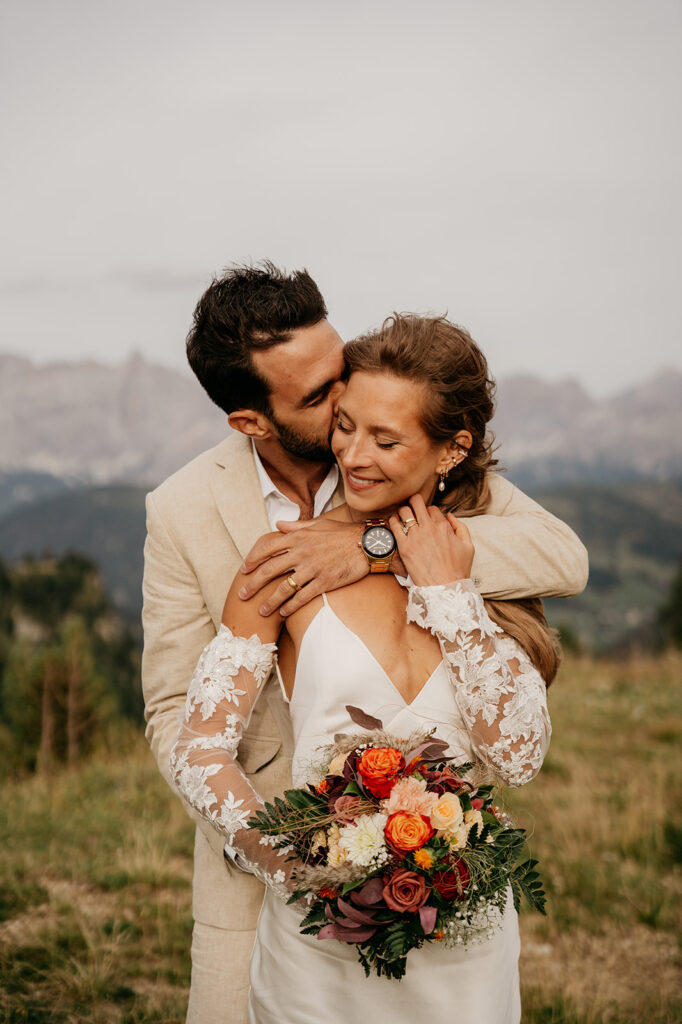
x=248 y=308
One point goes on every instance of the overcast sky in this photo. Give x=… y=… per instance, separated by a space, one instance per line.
x=515 y=162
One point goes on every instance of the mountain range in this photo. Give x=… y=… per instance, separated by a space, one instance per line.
x=137 y=422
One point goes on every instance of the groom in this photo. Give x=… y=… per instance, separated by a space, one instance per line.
x=263 y=349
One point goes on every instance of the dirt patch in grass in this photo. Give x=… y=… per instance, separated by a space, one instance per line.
x=84 y=900
x=622 y=974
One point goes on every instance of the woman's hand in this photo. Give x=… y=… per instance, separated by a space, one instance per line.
x=436 y=548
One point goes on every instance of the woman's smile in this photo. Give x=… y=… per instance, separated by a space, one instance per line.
x=357 y=483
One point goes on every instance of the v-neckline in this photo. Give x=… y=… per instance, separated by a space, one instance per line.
x=406 y=704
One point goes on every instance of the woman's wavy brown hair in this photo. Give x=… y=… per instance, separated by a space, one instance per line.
x=460 y=396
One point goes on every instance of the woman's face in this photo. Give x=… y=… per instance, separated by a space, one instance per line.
x=384 y=454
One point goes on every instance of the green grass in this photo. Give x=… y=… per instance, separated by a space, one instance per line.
x=607 y=817
x=95 y=870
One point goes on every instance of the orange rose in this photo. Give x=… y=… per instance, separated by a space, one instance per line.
x=379 y=767
x=406 y=831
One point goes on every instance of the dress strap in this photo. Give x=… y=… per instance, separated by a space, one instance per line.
x=281 y=683
x=326 y=602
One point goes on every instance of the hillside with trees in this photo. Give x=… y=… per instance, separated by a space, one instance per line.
x=69 y=663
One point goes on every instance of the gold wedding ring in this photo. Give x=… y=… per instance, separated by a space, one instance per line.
x=293 y=584
x=407 y=523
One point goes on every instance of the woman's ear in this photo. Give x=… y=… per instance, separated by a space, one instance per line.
x=251 y=423
x=458 y=448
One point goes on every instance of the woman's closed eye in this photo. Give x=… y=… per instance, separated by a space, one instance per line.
x=347 y=428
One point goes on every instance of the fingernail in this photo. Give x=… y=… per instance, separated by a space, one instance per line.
x=242 y=567
x=264 y=610
x=243 y=592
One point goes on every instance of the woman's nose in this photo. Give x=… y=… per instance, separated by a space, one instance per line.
x=356 y=453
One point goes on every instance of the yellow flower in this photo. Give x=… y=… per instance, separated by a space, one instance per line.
x=423 y=859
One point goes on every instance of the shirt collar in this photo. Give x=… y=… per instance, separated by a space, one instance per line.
x=324 y=492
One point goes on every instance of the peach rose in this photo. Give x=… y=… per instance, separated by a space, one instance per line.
x=410 y=794
x=446 y=815
x=406 y=831
x=378 y=767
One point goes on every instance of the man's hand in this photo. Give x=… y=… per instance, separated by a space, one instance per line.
x=319 y=555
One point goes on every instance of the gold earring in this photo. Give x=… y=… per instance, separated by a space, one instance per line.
x=442 y=475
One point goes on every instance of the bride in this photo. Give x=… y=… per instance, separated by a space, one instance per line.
x=416 y=652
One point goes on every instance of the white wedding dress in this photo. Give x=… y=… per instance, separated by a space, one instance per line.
x=484 y=698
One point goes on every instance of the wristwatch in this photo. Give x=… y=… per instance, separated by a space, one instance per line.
x=378 y=545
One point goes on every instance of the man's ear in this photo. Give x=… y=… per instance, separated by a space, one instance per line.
x=249 y=422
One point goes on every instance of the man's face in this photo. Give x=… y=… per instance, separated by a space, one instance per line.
x=305 y=377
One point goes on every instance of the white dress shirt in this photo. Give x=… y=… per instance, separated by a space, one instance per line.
x=280 y=508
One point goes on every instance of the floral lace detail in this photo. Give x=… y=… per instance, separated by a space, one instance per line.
x=500 y=694
x=448 y=613
x=213 y=679
x=223 y=692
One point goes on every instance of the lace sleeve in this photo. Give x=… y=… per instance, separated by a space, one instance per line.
x=223 y=692
x=501 y=696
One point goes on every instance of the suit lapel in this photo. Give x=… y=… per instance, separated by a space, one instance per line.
x=237 y=493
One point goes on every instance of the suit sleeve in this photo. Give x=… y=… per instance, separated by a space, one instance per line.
x=177 y=627
x=524 y=551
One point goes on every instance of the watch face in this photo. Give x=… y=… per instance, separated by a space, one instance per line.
x=378 y=541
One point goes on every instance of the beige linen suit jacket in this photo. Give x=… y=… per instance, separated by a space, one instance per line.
x=201 y=522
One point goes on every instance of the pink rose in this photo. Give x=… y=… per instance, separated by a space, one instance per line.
x=405 y=891
x=344 y=807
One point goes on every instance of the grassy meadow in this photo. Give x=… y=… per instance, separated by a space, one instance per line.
x=95 y=870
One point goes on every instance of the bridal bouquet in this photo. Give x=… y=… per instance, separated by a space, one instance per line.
x=397 y=847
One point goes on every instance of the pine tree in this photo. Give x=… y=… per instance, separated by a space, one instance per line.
x=670 y=614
